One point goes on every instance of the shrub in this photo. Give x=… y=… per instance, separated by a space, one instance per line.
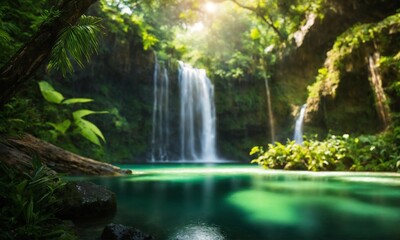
x=364 y=153
x=29 y=204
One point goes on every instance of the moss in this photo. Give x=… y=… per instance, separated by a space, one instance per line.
x=341 y=92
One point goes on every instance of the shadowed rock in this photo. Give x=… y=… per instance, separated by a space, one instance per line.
x=120 y=232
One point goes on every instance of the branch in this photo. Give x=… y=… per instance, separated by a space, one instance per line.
x=21 y=67
x=260 y=14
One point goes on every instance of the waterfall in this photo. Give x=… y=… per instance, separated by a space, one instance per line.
x=197 y=115
x=161 y=128
x=298 y=130
x=270 y=114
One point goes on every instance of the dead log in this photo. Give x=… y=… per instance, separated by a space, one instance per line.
x=19 y=151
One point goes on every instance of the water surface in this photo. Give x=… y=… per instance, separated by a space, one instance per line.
x=225 y=201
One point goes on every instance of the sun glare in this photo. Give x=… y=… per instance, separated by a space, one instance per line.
x=210 y=7
x=197 y=27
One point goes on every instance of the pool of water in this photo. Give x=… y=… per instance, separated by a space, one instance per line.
x=190 y=202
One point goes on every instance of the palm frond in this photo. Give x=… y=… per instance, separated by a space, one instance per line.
x=76 y=42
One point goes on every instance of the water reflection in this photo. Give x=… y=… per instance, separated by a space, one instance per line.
x=251 y=203
x=198 y=232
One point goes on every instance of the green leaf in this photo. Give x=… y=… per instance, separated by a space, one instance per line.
x=61 y=127
x=255 y=34
x=148 y=40
x=89 y=131
x=254 y=150
x=29 y=212
x=21 y=186
x=77 y=100
x=77 y=115
x=77 y=42
x=49 y=93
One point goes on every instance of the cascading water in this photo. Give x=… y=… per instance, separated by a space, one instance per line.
x=197 y=115
x=194 y=135
x=298 y=130
x=161 y=128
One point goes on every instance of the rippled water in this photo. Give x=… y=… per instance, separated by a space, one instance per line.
x=218 y=202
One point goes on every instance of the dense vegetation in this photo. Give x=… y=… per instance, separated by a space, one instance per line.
x=341 y=153
x=242 y=44
x=29 y=204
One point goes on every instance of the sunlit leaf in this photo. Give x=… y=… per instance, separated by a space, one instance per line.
x=61 y=127
x=255 y=34
x=85 y=112
x=77 y=100
x=49 y=93
x=254 y=150
x=89 y=131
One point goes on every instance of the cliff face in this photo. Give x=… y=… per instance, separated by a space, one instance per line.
x=299 y=69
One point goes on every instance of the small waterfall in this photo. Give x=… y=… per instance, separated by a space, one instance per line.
x=161 y=128
x=298 y=130
x=270 y=114
x=197 y=115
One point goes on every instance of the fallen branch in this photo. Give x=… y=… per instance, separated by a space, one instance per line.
x=18 y=152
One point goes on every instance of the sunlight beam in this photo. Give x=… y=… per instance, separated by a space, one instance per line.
x=210 y=7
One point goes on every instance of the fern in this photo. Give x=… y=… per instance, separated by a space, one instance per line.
x=76 y=42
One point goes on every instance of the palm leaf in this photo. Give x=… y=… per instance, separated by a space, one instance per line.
x=4 y=36
x=76 y=42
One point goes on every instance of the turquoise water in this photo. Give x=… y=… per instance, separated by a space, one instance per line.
x=173 y=201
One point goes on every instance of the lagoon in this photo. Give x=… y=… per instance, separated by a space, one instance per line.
x=235 y=201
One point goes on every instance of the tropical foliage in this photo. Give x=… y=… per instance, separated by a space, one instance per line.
x=363 y=153
x=29 y=204
x=78 y=42
x=358 y=40
x=82 y=126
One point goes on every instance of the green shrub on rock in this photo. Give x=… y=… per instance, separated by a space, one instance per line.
x=364 y=153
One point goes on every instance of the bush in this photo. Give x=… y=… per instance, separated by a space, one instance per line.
x=29 y=204
x=364 y=153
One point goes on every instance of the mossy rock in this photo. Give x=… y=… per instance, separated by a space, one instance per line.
x=86 y=200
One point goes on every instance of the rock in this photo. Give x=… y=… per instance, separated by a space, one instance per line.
x=120 y=232
x=86 y=200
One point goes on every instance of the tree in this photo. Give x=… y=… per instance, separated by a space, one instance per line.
x=20 y=68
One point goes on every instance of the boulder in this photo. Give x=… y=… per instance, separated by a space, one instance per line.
x=120 y=232
x=86 y=200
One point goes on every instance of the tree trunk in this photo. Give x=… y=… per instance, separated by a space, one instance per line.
x=18 y=153
x=33 y=54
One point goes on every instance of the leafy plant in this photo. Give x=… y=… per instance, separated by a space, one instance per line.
x=29 y=204
x=78 y=42
x=364 y=153
x=76 y=120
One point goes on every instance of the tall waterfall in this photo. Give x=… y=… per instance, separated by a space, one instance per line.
x=161 y=126
x=197 y=114
x=298 y=130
